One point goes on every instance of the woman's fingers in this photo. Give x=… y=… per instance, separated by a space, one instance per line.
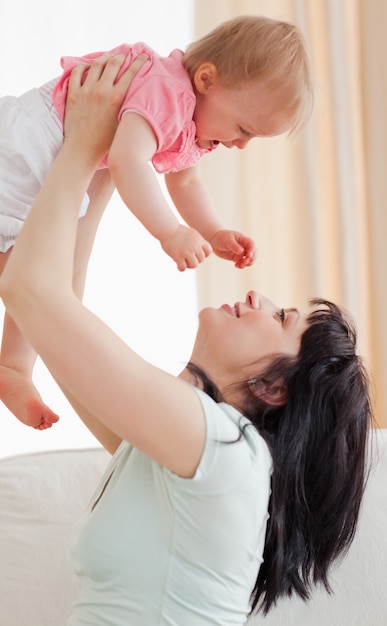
x=95 y=96
x=103 y=72
x=124 y=81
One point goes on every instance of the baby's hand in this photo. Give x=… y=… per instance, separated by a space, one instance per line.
x=187 y=247
x=233 y=246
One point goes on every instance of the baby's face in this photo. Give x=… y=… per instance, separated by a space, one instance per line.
x=233 y=116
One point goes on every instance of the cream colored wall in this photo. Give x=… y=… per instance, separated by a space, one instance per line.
x=315 y=205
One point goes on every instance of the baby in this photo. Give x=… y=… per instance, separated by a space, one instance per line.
x=249 y=77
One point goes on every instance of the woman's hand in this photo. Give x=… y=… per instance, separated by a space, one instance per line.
x=94 y=99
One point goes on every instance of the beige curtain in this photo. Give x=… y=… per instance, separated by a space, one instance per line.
x=315 y=204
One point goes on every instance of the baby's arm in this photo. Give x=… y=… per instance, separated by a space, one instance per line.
x=133 y=146
x=191 y=197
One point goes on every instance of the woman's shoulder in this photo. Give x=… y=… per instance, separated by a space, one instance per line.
x=232 y=437
x=230 y=419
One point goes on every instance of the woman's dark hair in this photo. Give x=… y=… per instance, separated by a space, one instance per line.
x=318 y=442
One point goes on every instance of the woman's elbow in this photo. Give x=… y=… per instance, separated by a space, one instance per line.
x=10 y=290
x=17 y=291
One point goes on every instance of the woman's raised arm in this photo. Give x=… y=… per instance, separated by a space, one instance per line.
x=156 y=412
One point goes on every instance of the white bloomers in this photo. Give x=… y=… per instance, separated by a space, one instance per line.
x=29 y=142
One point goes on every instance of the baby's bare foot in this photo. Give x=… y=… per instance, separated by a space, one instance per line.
x=21 y=397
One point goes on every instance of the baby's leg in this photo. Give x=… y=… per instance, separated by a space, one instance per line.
x=17 y=390
x=16 y=364
x=17 y=357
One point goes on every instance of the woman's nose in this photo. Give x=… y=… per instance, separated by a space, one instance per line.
x=256 y=300
x=253 y=299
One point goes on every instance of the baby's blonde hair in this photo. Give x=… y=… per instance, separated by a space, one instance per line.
x=250 y=49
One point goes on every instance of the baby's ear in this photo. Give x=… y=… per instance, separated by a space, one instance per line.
x=273 y=394
x=205 y=77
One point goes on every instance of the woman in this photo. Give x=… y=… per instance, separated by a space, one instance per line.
x=231 y=485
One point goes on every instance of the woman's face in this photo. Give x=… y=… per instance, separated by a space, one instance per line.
x=233 y=338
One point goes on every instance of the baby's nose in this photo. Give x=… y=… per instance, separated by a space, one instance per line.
x=240 y=143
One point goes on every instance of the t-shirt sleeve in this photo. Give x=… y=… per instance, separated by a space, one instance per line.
x=165 y=104
x=233 y=451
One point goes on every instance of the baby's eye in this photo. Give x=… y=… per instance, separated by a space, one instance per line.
x=282 y=315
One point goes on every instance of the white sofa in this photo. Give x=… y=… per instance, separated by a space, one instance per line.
x=42 y=494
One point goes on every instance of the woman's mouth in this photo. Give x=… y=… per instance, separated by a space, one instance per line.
x=233 y=310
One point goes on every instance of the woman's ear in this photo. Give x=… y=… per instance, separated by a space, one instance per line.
x=273 y=394
x=204 y=77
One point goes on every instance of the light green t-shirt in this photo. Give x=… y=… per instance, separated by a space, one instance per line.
x=155 y=549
